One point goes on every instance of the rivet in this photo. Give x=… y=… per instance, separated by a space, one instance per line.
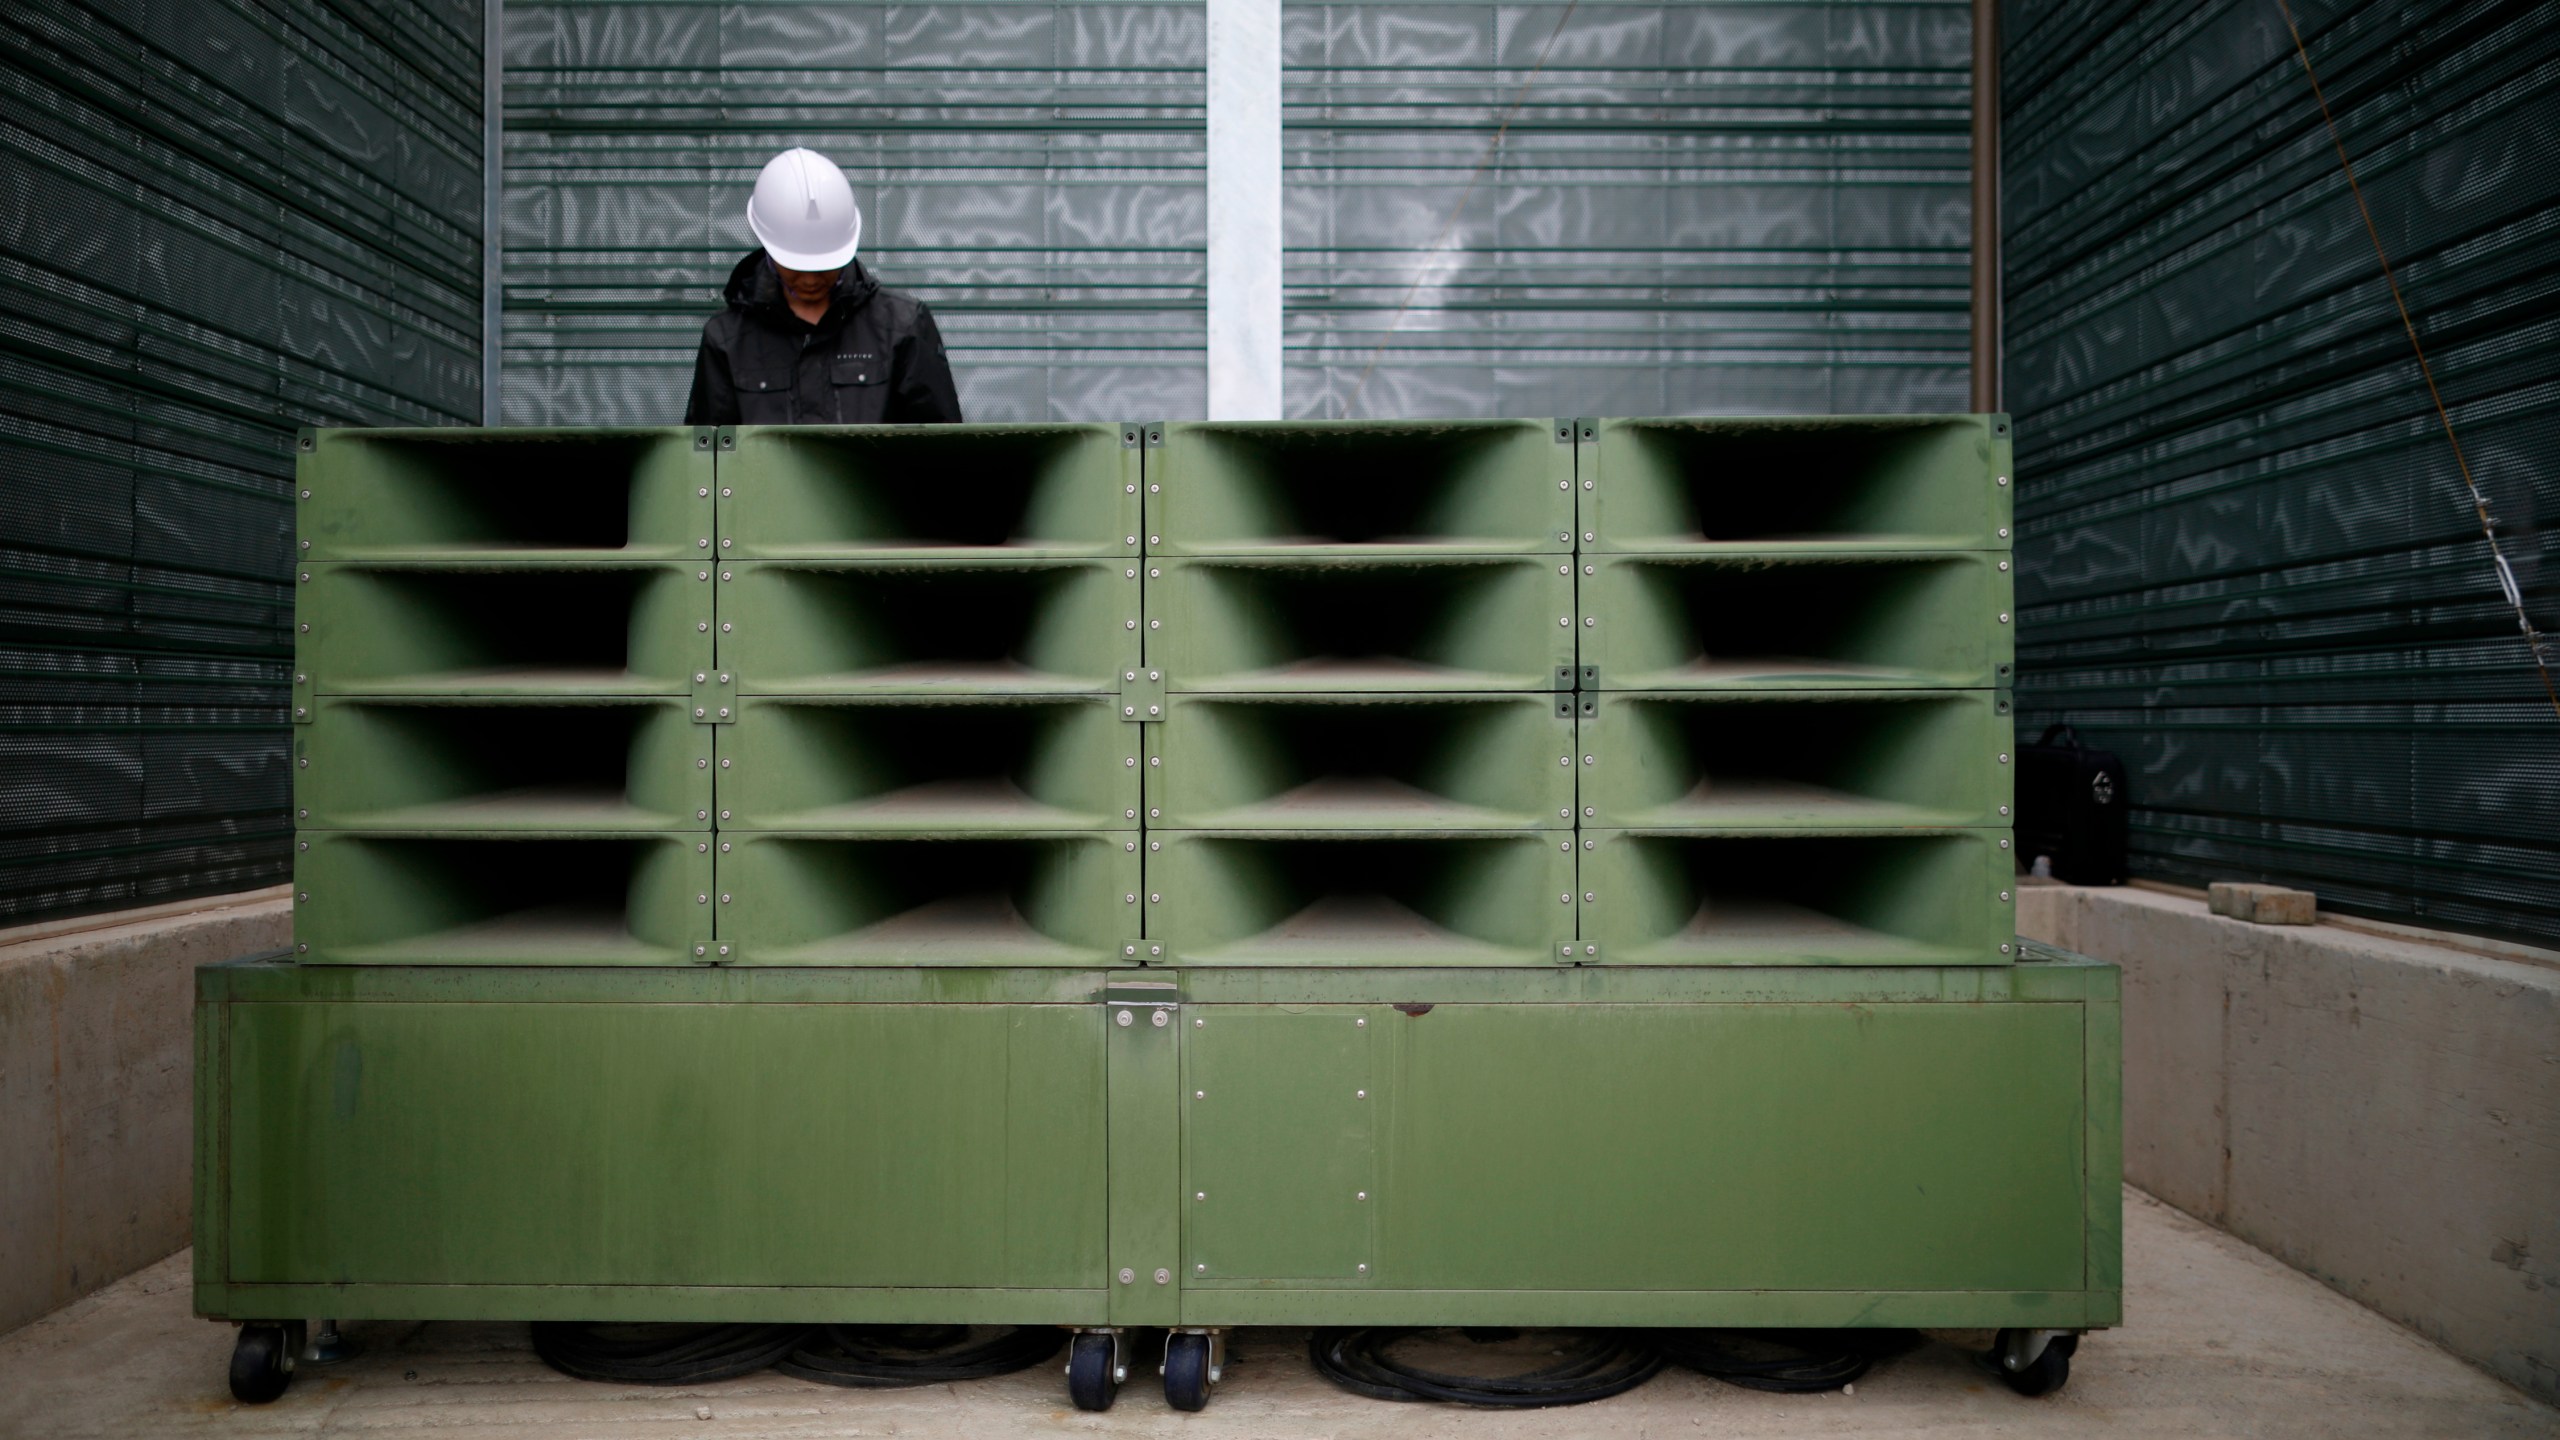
x=1130 y=899
x=705 y=814
x=1587 y=485
x=1160 y=1019
x=1152 y=844
x=1155 y=674
x=306 y=627
x=1590 y=620
x=306 y=544
x=1590 y=809
x=1132 y=540
x=1587 y=537
x=701 y=899
x=304 y=897
x=306 y=844
x=2004 y=479
x=1564 y=569
x=724 y=814
x=1155 y=572
x=726 y=575
x=1164 y=1277
x=703 y=543
x=306 y=494
x=1155 y=624
x=2004 y=809
x=305 y=814
x=1131 y=763
x=2004 y=894
x=303 y=949
x=1199 y=1194
x=1590 y=949
x=1132 y=489
x=702 y=627
x=1199 y=1094
x=724 y=897
x=1133 y=624
x=1124 y=1019
x=724 y=849
x=1155 y=539
x=2004 y=617
x=698 y=712
x=2004 y=532
x=701 y=949
x=1197 y=1024
x=1200 y=1269
x=1359 y=1094
x=2004 y=759
x=1588 y=897
x=1155 y=812
x=726 y=627
x=726 y=542
x=1155 y=899
x=702 y=848
x=1587 y=760
x=2004 y=564
x=704 y=492
x=1361 y=1195
x=2004 y=949
x=1127 y=1275
x=1131 y=573
x=1364 y=1267
x=702 y=764
x=2004 y=844
x=1565 y=620
x=304 y=762
x=1155 y=489
x=1565 y=899
x=1361 y=1023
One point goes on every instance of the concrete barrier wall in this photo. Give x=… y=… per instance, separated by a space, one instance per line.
x=97 y=1086
x=2382 y=1113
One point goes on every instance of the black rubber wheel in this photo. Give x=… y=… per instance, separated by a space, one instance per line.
x=258 y=1370
x=1186 y=1372
x=1089 y=1380
x=2049 y=1373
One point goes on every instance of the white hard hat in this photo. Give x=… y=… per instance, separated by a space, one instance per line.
x=803 y=212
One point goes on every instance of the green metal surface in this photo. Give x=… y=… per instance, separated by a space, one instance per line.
x=1805 y=484
x=635 y=1144
x=1587 y=1146
x=990 y=765
x=1799 y=759
x=1361 y=488
x=882 y=491
x=1362 y=762
x=502 y=898
x=1799 y=898
x=483 y=764
x=1360 y=897
x=959 y=898
x=465 y=628
x=1405 y=625
x=918 y=627
x=521 y=495
x=1863 y=621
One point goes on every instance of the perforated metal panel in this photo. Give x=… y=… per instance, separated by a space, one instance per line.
x=217 y=222
x=2247 y=560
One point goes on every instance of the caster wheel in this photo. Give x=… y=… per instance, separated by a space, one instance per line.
x=261 y=1363
x=1091 y=1383
x=2046 y=1374
x=1186 y=1372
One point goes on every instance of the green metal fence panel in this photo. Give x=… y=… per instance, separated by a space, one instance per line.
x=1402 y=487
x=1266 y=897
x=1411 y=625
x=1797 y=760
x=1887 y=897
x=502 y=898
x=932 y=491
x=1840 y=483
x=989 y=765
x=915 y=627
x=1362 y=762
x=491 y=764
x=225 y=221
x=485 y=628
x=1870 y=620
x=513 y=495
x=2249 y=562
x=963 y=897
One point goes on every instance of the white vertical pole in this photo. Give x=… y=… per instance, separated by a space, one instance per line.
x=1244 y=209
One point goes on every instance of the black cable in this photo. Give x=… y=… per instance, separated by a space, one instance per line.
x=661 y=1354
x=1595 y=1367
x=881 y=1356
x=1789 y=1362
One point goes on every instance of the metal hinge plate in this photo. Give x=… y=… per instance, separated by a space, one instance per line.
x=1578 y=952
x=1137 y=433
x=715 y=697
x=1145 y=952
x=1142 y=696
x=1589 y=678
x=302 y=702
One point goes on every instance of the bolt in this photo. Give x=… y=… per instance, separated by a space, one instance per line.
x=1161 y=1020
x=2004 y=894
x=1124 y=1019
x=1127 y=1275
x=1359 y=1094
x=1361 y=1023
x=1199 y=1094
x=1200 y=1195
x=2004 y=479
x=1588 y=896
x=1362 y=1195
x=1364 y=1269
x=1164 y=1277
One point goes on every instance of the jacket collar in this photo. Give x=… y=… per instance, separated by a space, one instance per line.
x=755 y=290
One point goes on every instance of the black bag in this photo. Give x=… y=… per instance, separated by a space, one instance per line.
x=2071 y=808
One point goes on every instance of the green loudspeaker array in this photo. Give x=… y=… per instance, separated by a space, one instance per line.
x=1796 y=648
x=1365 y=636
x=496 y=639
x=925 y=632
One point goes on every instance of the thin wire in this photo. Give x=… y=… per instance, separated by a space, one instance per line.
x=1519 y=98
x=2479 y=504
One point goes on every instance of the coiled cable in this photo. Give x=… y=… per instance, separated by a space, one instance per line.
x=661 y=1354
x=886 y=1356
x=1787 y=1362
x=1596 y=1365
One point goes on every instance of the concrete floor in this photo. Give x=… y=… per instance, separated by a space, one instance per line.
x=2221 y=1340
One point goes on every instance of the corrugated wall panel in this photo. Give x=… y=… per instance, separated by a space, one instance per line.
x=218 y=222
x=1695 y=208
x=2247 y=560
x=1033 y=171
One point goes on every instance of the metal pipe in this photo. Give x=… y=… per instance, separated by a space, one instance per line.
x=1986 y=206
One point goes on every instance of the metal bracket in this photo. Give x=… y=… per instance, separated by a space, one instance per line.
x=1565 y=707
x=1142 y=696
x=1578 y=952
x=1588 y=678
x=715 y=697
x=1586 y=429
x=303 y=705
x=728 y=438
x=1145 y=952
x=1137 y=433
x=1565 y=428
x=1143 y=995
x=1564 y=677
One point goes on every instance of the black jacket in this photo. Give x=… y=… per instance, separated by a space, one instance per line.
x=874 y=359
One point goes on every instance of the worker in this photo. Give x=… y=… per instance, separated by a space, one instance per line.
x=809 y=337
